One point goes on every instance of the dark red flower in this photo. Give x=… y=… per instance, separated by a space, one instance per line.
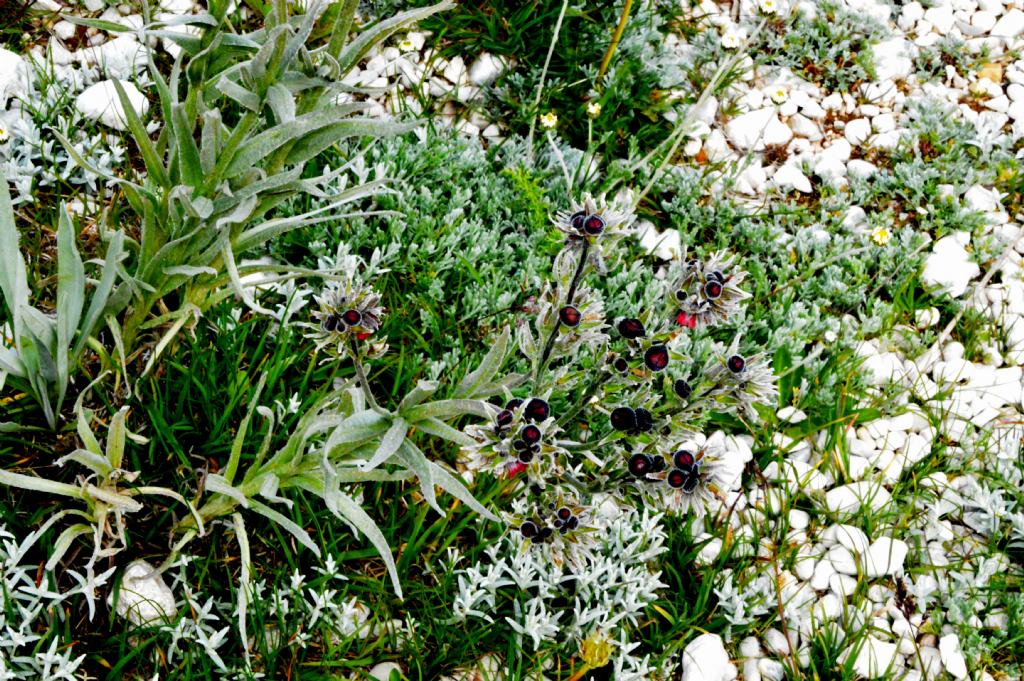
x=529 y=529
x=640 y=465
x=656 y=357
x=537 y=409
x=594 y=225
x=570 y=316
x=623 y=418
x=631 y=328
x=713 y=289
x=736 y=364
x=530 y=434
x=684 y=459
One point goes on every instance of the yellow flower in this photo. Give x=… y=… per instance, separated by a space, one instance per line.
x=768 y=6
x=549 y=120
x=881 y=235
x=596 y=649
x=594 y=109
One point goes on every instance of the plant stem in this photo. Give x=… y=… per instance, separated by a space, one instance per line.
x=543 y=77
x=549 y=345
x=361 y=376
x=616 y=37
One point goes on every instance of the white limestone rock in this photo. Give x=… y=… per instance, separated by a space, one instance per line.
x=849 y=499
x=755 y=129
x=99 y=102
x=885 y=557
x=144 y=597
x=952 y=659
x=949 y=268
x=874 y=658
x=705 y=659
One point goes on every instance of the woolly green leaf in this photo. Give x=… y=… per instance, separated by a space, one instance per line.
x=444 y=409
x=64 y=541
x=154 y=166
x=13 y=278
x=101 y=294
x=357 y=49
x=488 y=368
x=389 y=444
x=415 y=460
x=70 y=297
x=348 y=509
x=449 y=483
x=291 y=527
x=116 y=438
x=441 y=429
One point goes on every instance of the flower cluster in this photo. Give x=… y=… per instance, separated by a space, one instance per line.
x=349 y=312
x=708 y=292
x=521 y=438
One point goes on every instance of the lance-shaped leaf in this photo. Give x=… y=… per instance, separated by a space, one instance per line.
x=415 y=460
x=389 y=444
x=488 y=369
x=346 y=507
x=70 y=297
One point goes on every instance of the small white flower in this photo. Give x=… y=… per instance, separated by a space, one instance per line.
x=779 y=94
x=593 y=109
x=733 y=38
x=549 y=120
x=768 y=6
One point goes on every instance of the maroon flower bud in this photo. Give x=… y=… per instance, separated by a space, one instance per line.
x=537 y=409
x=577 y=221
x=621 y=365
x=623 y=418
x=563 y=513
x=713 y=289
x=529 y=529
x=644 y=420
x=640 y=465
x=736 y=364
x=530 y=434
x=352 y=317
x=682 y=389
x=656 y=357
x=594 y=225
x=631 y=328
x=676 y=478
x=504 y=418
x=570 y=316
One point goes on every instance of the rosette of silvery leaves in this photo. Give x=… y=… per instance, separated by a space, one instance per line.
x=739 y=381
x=592 y=224
x=349 y=311
x=515 y=440
x=706 y=291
